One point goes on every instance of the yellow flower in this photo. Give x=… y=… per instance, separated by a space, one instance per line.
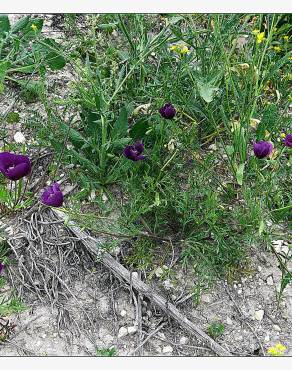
x=180 y=49
x=33 y=27
x=255 y=32
x=260 y=37
x=290 y=57
x=278 y=350
x=286 y=37
x=254 y=123
x=277 y=49
x=283 y=135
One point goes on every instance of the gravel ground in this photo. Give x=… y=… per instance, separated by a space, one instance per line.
x=247 y=308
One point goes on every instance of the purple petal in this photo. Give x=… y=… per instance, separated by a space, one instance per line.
x=55 y=187
x=139 y=146
x=14 y=166
x=139 y=157
x=262 y=149
x=17 y=172
x=54 y=200
x=134 y=152
x=1 y=267
x=6 y=160
x=130 y=152
x=168 y=111
x=52 y=196
x=288 y=140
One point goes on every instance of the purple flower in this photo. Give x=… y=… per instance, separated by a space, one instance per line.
x=168 y=111
x=1 y=267
x=262 y=149
x=52 y=196
x=134 y=152
x=288 y=140
x=14 y=166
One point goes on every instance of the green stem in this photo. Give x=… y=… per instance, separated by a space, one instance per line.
x=258 y=85
x=281 y=209
x=103 y=145
x=124 y=29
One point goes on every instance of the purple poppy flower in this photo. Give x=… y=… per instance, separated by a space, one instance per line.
x=1 y=267
x=288 y=140
x=262 y=148
x=14 y=166
x=53 y=196
x=168 y=111
x=134 y=152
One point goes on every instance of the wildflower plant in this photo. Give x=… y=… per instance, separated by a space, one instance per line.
x=204 y=129
x=25 y=50
x=180 y=49
x=134 y=152
x=260 y=36
x=14 y=167
x=277 y=350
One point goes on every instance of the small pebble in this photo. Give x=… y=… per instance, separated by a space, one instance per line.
x=104 y=198
x=206 y=298
x=135 y=275
x=167 y=349
x=167 y=284
x=212 y=147
x=239 y=291
x=267 y=338
x=122 y=332
x=159 y=272
x=270 y=280
x=132 y=329
x=277 y=327
x=149 y=313
x=259 y=268
x=161 y=335
x=229 y=321
x=115 y=251
x=183 y=340
x=123 y=313
x=258 y=315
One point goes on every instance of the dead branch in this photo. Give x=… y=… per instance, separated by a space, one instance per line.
x=121 y=272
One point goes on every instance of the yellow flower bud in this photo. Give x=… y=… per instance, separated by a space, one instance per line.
x=277 y=49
